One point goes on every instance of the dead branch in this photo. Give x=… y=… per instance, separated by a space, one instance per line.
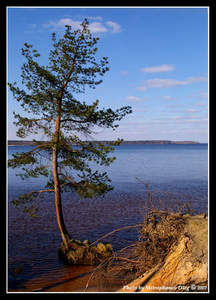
x=96 y=269
x=126 y=259
x=116 y=230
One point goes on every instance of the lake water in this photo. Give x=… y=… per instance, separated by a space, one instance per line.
x=175 y=173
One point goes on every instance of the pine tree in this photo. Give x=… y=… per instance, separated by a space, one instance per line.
x=49 y=93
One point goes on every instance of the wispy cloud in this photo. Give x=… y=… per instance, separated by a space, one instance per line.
x=133 y=99
x=95 y=27
x=95 y=18
x=166 y=83
x=200 y=121
x=60 y=24
x=192 y=110
x=202 y=95
x=175 y=118
x=169 y=97
x=115 y=26
x=158 y=69
x=187 y=118
x=200 y=104
x=137 y=99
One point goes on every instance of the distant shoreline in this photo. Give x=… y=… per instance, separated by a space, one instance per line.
x=158 y=142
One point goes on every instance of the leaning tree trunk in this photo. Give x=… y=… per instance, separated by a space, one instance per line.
x=58 y=203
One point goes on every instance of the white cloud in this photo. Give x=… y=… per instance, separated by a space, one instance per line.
x=95 y=27
x=115 y=26
x=195 y=79
x=60 y=24
x=158 y=69
x=175 y=118
x=192 y=110
x=197 y=120
x=137 y=99
x=169 y=98
x=133 y=99
x=166 y=83
x=95 y=18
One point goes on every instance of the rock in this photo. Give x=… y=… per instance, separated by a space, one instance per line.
x=101 y=248
x=185 y=267
x=82 y=253
x=86 y=242
x=109 y=248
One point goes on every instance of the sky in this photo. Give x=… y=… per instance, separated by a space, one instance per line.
x=158 y=60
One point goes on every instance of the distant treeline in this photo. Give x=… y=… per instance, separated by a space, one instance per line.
x=159 y=142
x=31 y=143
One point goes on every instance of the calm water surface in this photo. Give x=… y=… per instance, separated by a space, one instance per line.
x=179 y=172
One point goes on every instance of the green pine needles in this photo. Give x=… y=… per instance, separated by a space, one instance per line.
x=49 y=94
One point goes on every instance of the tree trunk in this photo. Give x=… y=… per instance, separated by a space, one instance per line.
x=59 y=214
x=58 y=203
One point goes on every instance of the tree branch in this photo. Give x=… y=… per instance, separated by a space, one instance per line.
x=41 y=191
x=116 y=230
x=69 y=179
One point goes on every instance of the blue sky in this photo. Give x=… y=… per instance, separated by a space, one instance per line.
x=158 y=59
